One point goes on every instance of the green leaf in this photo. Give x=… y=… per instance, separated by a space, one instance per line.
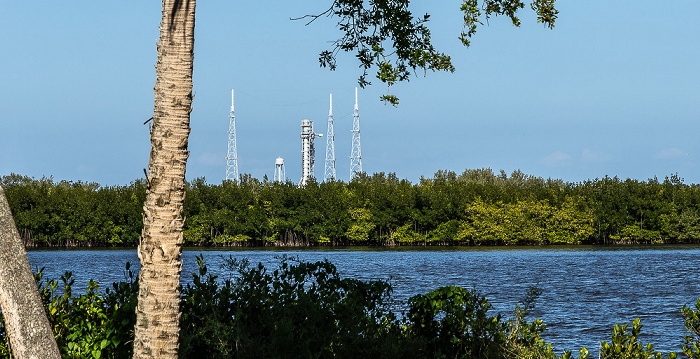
x=390 y=99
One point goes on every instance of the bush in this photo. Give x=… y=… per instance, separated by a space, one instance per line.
x=692 y=324
x=452 y=322
x=90 y=326
x=302 y=310
x=625 y=345
x=297 y=310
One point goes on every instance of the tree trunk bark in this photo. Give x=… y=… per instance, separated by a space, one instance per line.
x=25 y=319
x=157 y=312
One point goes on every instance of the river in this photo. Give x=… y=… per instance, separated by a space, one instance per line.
x=586 y=290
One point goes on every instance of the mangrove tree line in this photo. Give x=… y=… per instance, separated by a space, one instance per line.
x=476 y=207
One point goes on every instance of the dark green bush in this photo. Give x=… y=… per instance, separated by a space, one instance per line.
x=298 y=310
x=453 y=322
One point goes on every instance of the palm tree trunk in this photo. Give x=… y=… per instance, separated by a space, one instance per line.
x=157 y=313
x=25 y=319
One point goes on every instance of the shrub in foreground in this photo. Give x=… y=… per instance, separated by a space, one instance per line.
x=304 y=310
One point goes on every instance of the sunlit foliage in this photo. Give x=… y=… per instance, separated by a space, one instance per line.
x=476 y=207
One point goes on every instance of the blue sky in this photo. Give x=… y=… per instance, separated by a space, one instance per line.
x=613 y=90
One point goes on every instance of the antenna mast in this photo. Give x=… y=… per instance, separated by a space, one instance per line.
x=330 y=146
x=232 y=154
x=356 y=153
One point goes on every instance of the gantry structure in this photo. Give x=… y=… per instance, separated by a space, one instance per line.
x=308 y=151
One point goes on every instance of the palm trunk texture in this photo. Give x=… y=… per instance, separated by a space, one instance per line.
x=25 y=319
x=157 y=313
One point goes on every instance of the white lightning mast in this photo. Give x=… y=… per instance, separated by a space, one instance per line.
x=232 y=154
x=356 y=153
x=330 y=146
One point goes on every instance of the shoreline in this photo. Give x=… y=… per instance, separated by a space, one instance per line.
x=379 y=247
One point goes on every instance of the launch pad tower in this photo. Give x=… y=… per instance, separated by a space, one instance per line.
x=308 y=150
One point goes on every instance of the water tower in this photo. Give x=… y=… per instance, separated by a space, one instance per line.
x=280 y=176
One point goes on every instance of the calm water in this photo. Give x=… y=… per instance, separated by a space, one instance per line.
x=586 y=290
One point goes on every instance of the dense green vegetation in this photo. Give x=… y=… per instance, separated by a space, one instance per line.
x=477 y=207
x=75 y=213
x=307 y=310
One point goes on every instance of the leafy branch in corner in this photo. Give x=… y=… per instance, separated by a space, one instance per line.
x=385 y=34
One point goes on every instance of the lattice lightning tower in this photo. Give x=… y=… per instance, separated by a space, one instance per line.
x=356 y=153
x=232 y=154
x=330 y=146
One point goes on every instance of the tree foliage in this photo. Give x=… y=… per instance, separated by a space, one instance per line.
x=67 y=213
x=388 y=37
x=476 y=207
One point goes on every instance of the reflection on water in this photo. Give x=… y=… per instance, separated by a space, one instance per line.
x=586 y=290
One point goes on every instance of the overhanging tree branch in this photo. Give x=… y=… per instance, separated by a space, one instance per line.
x=369 y=28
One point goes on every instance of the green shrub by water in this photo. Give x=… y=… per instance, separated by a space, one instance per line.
x=307 y=310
